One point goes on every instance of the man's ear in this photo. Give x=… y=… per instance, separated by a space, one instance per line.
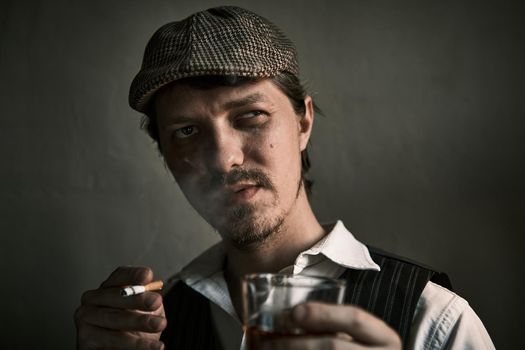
x=306 y=123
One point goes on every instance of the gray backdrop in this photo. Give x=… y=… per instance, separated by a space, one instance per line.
x=421 y=151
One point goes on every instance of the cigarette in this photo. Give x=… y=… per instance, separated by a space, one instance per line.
x=134 y=290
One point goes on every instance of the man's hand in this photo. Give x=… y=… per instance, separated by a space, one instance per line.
x=352 y=328
x=105 y=319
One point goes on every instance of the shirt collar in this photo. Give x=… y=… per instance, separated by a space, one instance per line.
x=209 y=263
x=339 y=245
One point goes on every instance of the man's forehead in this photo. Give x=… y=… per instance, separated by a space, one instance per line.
x=184 y=99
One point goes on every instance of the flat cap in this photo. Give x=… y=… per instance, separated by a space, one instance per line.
x=224 y=40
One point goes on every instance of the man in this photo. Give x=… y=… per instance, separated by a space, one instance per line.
x=223 y=100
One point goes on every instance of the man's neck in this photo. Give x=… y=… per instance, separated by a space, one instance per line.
x=300 y=231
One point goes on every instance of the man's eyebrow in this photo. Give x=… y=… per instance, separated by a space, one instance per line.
x=245 y=101
x=175 y=119
x=241 y=102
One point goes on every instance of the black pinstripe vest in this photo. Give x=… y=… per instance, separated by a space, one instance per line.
x=391 y=294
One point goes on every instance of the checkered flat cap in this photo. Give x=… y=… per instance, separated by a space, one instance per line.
x=223 y=40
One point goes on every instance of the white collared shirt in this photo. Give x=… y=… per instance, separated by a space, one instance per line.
x=442 y=319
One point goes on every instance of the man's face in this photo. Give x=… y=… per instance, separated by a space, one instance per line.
x=235 y=153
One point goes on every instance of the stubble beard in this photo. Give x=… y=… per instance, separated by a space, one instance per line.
x=245 y=228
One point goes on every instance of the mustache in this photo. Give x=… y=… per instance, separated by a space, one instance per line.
x=237 y=175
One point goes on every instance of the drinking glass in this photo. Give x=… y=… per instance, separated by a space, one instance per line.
x=268 y=300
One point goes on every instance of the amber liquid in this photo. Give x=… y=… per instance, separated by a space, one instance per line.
x=255 y=338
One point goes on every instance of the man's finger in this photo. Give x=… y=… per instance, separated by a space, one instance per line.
x=125 y=320
x=359 y=324
x=111 y=297
x=310 y=343
x=128 y=275
x=92 y=337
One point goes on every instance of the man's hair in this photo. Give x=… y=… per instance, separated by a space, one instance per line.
x=289 y=84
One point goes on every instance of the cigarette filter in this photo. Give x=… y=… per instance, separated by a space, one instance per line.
x=139 y=289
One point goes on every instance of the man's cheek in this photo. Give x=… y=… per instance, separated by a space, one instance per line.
x=184 y=167
x=187 y=183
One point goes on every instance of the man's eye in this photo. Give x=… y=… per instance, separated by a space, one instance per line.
x=186 y=131
x=252 y=118
x=252 y=114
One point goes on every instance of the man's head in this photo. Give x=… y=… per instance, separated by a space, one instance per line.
x=222 y=98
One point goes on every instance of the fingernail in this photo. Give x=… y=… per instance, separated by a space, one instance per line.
x=299 y=312
x=155 y=323
x=150 y=301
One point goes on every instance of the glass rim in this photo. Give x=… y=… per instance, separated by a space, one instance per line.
x=285 y=277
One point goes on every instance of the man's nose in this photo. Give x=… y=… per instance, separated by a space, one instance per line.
x=226 y=151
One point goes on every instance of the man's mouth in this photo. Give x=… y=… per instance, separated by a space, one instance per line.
x=242 y=192
x=241 y=187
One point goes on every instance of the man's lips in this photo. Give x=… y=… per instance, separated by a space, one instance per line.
x=242 y=192
x=241 y=187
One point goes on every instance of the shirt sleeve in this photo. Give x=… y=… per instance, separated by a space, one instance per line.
x=445 y=321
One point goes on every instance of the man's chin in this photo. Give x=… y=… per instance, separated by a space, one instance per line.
x=251 y=237
x=246 y=229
